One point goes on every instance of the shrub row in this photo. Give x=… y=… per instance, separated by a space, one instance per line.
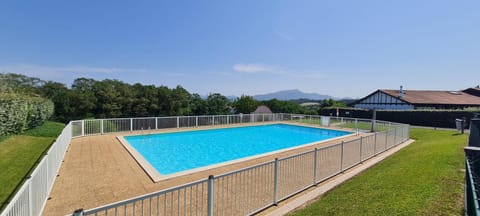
x=19 y=112
x=429 y=118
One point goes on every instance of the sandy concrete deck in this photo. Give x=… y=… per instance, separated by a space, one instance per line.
x=98 y=170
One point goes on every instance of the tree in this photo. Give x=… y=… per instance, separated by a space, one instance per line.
x=217 y=104
x=108 y=98
x=332 y=103
x=245 y=104
x=18 y=83
x=59 y=94
x=278 y=106
x=179 y=101
x=89 y=98
x=199 y=106
x=83 y=99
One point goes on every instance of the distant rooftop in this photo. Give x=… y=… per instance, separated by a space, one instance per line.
x=262 y=110
x=434 y=97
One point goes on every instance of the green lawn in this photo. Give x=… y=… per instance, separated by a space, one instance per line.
x=425 y=178
x=20 y=153
x=345 y=124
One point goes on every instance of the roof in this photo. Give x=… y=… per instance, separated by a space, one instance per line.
x=262 y=109
x=473 y=91
x=434 y=97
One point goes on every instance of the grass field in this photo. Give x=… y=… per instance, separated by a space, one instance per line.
x=20 y=153
x=346 y=124
x=425 y=178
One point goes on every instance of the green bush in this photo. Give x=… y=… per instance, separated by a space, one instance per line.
x=19 y=112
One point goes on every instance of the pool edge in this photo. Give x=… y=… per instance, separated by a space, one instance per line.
x=155 y=176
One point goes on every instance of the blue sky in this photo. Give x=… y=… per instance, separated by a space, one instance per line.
x=340 y=48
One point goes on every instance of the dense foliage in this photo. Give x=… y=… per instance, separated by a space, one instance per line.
x=20 y=112
x=245 y=104
x=89 y=98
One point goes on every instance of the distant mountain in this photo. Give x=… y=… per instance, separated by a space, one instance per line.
x=291 y=95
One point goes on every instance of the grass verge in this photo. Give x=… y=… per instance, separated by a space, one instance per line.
x=346 y=124
x=425 y=178
x=20 y=153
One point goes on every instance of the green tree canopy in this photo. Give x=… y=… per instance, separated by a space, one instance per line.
x=245 y=104
x=217 y=104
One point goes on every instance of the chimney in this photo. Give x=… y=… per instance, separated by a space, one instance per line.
x=400 y=93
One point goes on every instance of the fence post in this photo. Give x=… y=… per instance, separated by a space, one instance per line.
x=210 y=195
x=83 y=128
x=131 y=124
x=213 y=120
x=356 y=126
x=315 y=167
x=101 y=126
x=375 y=144
x=178 y=122
x=275 y=182
x=386 y=138
x=361 y=148
x=196 y=121
x=408 y=132
x=30 y=201
x=263 y=117
x=156 y=123
x=78 y=212
x=47 y=157
x=341 y=157
x=395 y=136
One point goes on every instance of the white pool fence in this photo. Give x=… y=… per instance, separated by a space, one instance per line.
x=241 y=192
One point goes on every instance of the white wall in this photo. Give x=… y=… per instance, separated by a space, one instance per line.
x=381 y=100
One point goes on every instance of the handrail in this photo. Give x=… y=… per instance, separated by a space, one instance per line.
x=30 y=199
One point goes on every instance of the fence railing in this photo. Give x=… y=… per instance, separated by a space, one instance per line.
x=241 y=192
x=252 y=189
x=31 y=197
x=103 y=126
x=472 y=178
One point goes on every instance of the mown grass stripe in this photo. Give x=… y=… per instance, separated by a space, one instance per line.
x=425 y=178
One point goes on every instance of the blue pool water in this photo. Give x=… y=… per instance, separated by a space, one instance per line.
x=179 y=151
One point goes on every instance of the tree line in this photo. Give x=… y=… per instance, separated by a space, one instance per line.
x=110 y=98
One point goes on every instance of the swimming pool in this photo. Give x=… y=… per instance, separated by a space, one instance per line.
x=170 y=153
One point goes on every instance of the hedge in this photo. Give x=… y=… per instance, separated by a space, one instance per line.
x=19 y=112
x=429 y=118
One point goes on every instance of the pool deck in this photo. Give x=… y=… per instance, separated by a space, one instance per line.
x=98 y=170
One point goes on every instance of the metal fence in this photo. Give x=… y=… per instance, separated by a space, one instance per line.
x=103 y=126
x=31 y=197
x=472 y=177
x=241 y=192
x=252 y=189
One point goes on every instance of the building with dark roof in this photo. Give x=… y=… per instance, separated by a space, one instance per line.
x=473 y=91
x=419 y=99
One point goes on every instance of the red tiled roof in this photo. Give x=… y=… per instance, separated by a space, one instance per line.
x=435 y=97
